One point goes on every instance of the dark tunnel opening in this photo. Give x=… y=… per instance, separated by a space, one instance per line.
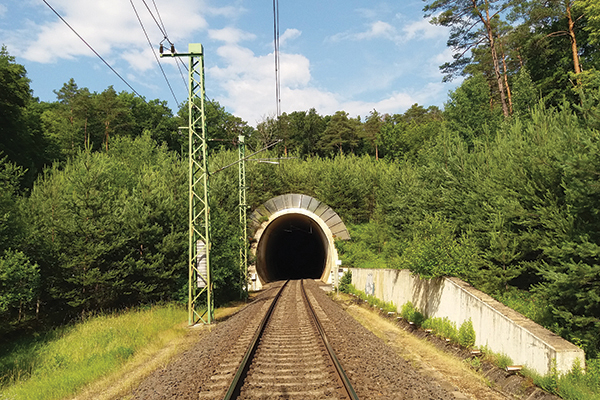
x=292 y=246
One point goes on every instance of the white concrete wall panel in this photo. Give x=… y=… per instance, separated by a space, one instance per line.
x=498 y=327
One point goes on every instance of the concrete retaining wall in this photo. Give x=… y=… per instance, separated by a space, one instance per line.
x=498 y=327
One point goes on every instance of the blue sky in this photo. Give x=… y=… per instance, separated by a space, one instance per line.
x=335 y=55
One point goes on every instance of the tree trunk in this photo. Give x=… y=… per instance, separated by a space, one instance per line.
x=85 y=135
x=508 y=93
x=487 y=23
x=106 y=124
x=488 y=26
x=576 y=65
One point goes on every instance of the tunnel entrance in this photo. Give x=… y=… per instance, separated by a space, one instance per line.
x=294 y=247
x=294 y=237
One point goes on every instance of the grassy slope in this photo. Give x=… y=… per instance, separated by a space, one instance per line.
x=58 y=365
x=102 y=358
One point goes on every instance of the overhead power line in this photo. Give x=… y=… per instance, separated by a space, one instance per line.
x=163 y=30
x=94 y=51
x=154 y=53
x=276 y=45
x=159 y=17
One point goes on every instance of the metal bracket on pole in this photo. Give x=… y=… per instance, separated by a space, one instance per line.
x=199 y=282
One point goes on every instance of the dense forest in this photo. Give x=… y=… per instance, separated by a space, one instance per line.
x=500 y=187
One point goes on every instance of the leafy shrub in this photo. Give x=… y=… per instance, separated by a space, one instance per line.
x=19 y=284
x=466 y=334
x=372 y=300
x=345 y=282
x=368 y=247
x=435 y=251
x=410 y=313
x=575 y=385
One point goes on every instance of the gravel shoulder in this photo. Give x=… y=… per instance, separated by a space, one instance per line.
x=383 y=359
x=448 y=364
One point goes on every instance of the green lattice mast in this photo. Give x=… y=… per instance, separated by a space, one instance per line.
x=199 y=282
x=243 y=218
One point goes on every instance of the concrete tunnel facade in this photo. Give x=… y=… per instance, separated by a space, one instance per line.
x=294 y=237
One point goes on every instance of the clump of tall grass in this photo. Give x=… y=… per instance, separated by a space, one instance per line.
x=442 y=327
x=577 y=384
x=371 y=300
x=63 y=361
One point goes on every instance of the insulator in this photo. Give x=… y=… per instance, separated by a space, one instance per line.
x=172 y=48
x=161 y=48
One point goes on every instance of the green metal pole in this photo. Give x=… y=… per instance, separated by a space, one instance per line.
x=243 y=218
x=199 y=271
x=199 y=188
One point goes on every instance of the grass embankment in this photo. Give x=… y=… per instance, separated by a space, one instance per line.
x=59 y=364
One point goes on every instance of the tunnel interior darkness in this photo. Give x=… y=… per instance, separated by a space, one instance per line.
x=293 y=246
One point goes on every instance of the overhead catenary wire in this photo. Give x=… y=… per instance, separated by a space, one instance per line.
x=154 y=53
x=159 y=17
x=94 y=51
x=160 y=27
x=163 y=30
x=276 y=45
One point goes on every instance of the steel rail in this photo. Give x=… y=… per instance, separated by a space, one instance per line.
x=236 y=384
x=338 y=366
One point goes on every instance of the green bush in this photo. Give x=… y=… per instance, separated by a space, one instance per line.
x=532 y=305
x=466 y=334
x=345 y=282
x=19 y=287
x=368 y=247
x=410 y=313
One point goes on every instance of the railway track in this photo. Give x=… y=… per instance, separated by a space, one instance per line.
x=288 y=356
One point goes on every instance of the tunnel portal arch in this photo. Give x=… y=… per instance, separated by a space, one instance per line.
x=293 y=238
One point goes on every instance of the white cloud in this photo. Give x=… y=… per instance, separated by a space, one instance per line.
x=230 y=35
x=140 y=60
x=444 y=56
x=289 y=34
x=228 y=11
x=111 y=28
x=415 y=30
x=249 y=80
x=423 y=29
x=377 y=29
x=248 y=83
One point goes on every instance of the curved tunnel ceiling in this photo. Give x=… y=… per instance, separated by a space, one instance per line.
x=295 y=235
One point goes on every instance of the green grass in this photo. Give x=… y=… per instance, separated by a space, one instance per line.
x=442 y=327
x=576 y=385
x=56 y=365
x=372 y=300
